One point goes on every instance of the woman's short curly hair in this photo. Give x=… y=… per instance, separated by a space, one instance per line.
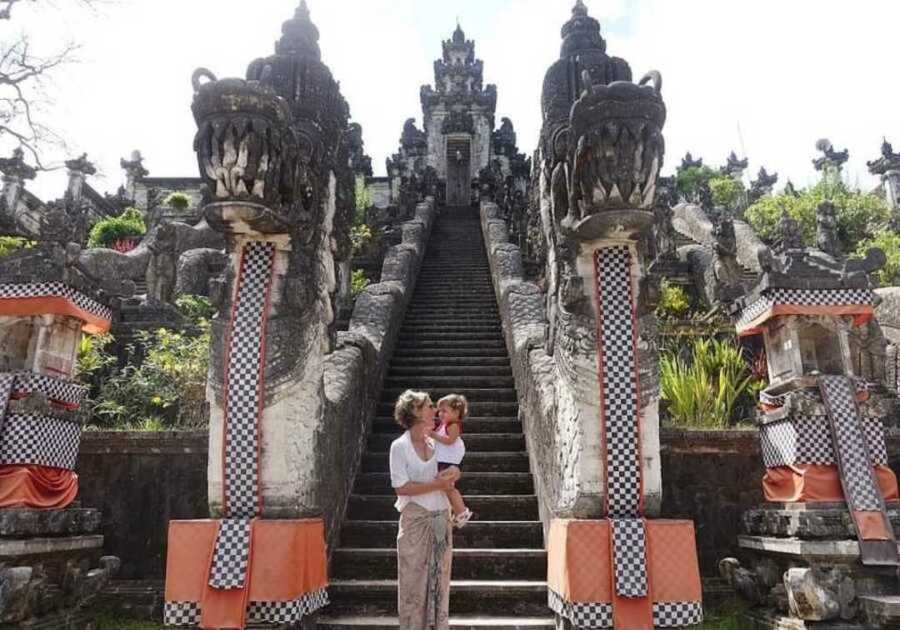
x=407 y=407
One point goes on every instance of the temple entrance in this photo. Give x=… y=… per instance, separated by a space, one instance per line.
x=459 y=158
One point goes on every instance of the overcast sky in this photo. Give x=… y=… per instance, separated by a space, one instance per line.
x=766 y=78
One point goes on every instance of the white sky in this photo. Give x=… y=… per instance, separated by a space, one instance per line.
x=784 y=72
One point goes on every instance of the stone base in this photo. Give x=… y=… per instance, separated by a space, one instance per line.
x=808 y=521
x=51 y=568
x=770 y=620
x=801 y=563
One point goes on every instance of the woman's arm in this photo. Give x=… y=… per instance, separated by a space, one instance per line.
x=450 y=438
x=414 y=488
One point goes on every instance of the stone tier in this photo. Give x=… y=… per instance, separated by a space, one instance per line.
x=808 y=521
x=27 y=522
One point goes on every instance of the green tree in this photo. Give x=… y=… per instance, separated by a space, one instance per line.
x=859 y=215
x=689 y=180
x=726 y=191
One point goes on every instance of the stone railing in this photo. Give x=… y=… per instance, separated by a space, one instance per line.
x=691 y=221
x=552 y=447
x=354 y=372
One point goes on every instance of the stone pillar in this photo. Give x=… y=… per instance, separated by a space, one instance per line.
x=134 y=172
x=266 y=389
x=601 y=156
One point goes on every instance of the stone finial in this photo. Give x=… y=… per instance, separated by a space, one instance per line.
x=688 y=161
x=831 y=161
x=734 y=167
x=81 y=165
x=581 y=33
x=15 y=167
x=300 y=37
x=888 y=166
x=763 y=185
x=459 y=36
x=134 y=167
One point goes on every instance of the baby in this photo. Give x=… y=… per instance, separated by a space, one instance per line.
x=450 y=449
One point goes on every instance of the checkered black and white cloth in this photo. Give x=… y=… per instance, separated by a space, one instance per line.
x=55 y=389
x=581 y=615
x=617 y=342
x=181 y=614
x=55 y=289
x=677 y=614
x=291 y=612
x=619 y=381
x=231 y=557
x=630 y=557
x=805 y=297
x=854 y=461
x=812 y=394
x=244 y=380
x=275 y=613
x=808 y=440
x=39 y=441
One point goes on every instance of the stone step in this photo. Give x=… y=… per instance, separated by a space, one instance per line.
x=422 y=337
x=427 y=308
x=454 y=381
x=491 y=597
x=425 y=360
x=475 y=442
x=498 y=461
x=452 y=345
x=881 y=611
x=451 y=327
x=479 y=408
x=473 y=394
x=457 y=623
x=506 y=507
x=441 y=371
x=468 y=564
x=472 y=483
x=472 y=425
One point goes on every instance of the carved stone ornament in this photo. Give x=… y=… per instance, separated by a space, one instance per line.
x=616 y=149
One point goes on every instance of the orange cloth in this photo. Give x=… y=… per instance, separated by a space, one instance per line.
x=809 y=482
x=37 y=487
x=861 y=314
x=579 y=567
x=53 y=305
x=288 y=560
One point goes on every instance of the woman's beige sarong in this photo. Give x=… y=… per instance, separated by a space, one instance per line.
x=424 y=557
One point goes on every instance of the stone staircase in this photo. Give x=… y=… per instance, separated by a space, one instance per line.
x=451 y=341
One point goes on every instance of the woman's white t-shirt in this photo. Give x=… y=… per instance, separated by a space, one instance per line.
x=406 y=466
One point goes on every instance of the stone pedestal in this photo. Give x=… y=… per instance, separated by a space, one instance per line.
x=51 y=568
x=802 y=566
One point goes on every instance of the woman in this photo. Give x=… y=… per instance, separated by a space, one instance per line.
x=424 y=539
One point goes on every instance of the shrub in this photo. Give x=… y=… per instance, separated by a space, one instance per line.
x=361 y=236
x=888 y=241
x=195 y=307
x=363 y=201
x=673 y=301
x=358 y=283
x=10 y=244
x=107 y=231
x=704 y=391
x=859 y=215
x=178 y=201
x=726 y=191
x=93 y=357
x=689 y=180
x=166 y=390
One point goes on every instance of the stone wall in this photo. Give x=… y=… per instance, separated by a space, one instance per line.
x=141 y=480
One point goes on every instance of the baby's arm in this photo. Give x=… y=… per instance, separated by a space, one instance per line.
x=450 y=438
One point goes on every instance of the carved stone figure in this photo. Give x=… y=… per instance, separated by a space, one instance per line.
x=788 y=235
x=162 y=268
x=728 y=273
x=734 y=167
x=888 y=167
x=826 y=229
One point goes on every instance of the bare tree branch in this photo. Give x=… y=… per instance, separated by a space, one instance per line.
x=24 y=80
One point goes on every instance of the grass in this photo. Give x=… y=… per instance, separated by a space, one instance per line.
x=109 y=622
